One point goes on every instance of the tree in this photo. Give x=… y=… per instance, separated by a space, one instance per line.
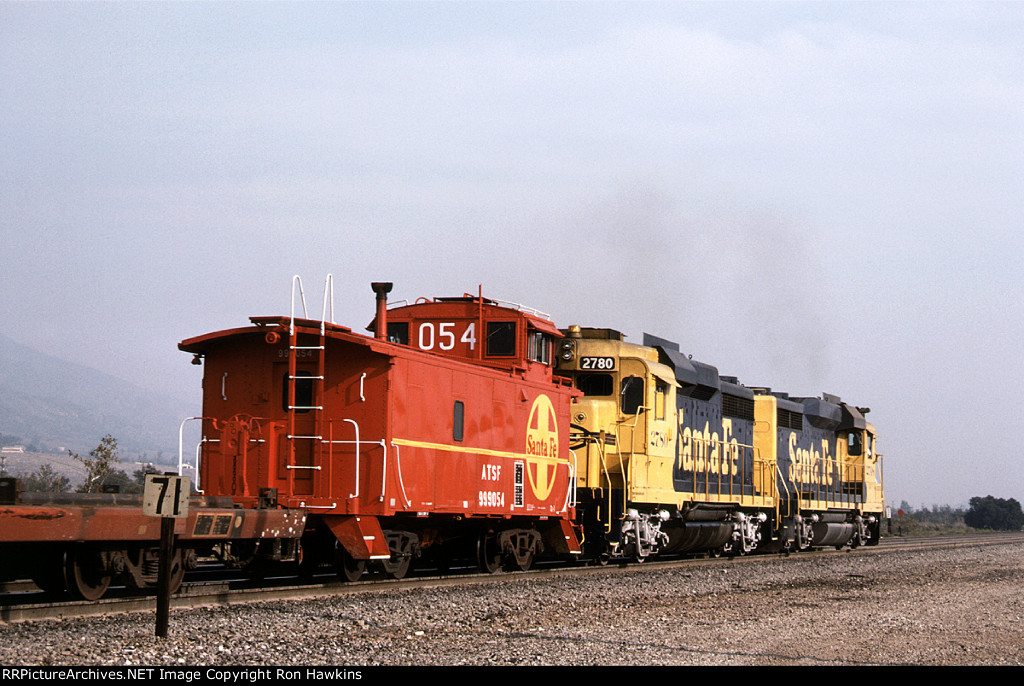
x=994 y=513
x=138 y=480
x=99 y=466
x=45 y=480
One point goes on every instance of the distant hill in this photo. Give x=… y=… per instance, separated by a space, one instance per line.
x=47 y=403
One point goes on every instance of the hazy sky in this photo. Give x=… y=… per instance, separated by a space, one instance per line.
x=817 y=197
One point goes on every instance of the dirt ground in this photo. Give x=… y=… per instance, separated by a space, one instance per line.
x=953 y=606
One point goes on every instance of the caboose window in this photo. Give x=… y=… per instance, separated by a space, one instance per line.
x=539 y=348
x=501 y=339
x=460 y=421
x=398 y=332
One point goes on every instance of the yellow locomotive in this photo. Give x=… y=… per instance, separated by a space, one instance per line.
x=671 y=457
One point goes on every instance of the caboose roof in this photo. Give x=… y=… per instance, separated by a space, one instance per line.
x=266 y=324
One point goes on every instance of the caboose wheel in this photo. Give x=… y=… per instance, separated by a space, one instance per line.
x=86 y=573
x=403 y=548
x=349 y=568
x=488 y=552
x=397 y=569
x=520 y=563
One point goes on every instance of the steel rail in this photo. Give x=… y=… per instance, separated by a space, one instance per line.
x=239 y=592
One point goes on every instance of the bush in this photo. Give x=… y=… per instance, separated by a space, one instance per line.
x=994 y=513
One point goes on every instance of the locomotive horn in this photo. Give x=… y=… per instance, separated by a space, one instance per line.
x=382 y=288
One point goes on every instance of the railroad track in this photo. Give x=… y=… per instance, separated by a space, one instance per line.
x=21 y=602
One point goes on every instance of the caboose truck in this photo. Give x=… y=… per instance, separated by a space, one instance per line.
x=674 y=458
x=443 y=435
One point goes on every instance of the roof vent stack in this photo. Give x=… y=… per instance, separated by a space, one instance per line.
x=382 y=288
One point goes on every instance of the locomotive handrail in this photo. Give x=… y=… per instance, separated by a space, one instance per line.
x=572 y=482
x=822 y=491
x=598 y=442
x=726 y=448
x=785 y=485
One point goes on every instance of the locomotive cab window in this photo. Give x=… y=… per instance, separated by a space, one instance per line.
x=854 y=444
x=595 y=384
x=660 y=391
x=501 y=339
x=632 y=392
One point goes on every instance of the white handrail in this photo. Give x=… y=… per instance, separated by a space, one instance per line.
x=181 y=450
x=328 y=294
x=302 y=297
x=398 y=466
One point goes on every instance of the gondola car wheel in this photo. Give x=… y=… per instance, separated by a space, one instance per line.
x=48 y=572
x=86 y=573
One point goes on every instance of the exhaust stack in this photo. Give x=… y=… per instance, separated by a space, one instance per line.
x=382 y=288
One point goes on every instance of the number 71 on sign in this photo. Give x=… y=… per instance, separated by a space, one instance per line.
x=166 y=495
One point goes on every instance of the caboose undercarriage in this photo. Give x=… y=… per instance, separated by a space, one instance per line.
x=441 y=542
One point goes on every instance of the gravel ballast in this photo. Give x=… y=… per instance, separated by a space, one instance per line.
x=956 y=606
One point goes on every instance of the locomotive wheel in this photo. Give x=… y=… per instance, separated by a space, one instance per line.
x=349 y=568
x=86 y=573
x=488 y=552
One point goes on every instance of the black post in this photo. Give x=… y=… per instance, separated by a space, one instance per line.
x=163 y=583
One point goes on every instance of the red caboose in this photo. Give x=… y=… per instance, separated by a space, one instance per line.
x=445 y=434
